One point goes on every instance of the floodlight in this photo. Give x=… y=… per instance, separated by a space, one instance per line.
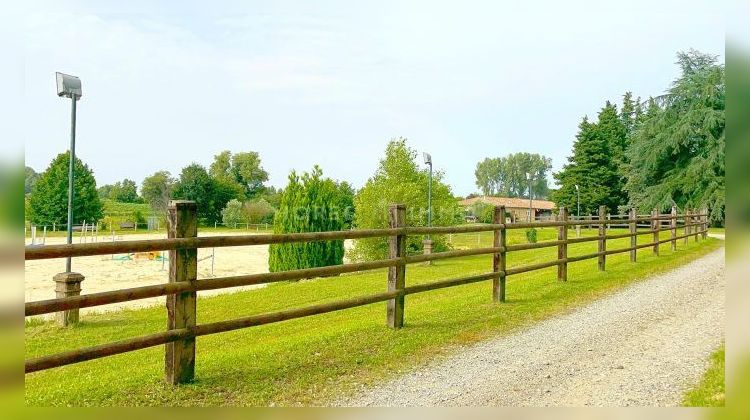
x=68 y=86
x=427 y=158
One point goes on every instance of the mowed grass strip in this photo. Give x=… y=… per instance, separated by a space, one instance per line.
x=316 y=359
x=710 y=391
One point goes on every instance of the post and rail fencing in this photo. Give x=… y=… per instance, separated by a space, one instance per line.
x=181 y=289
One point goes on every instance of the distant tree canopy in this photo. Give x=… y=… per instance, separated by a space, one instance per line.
x=677 y=152
x=596 y=164
x=242 y=168
x=125 y=191
x=309 y=203
x=233 y=213
x=506 y=176
x=48 y=202
x=400 y=180
x=211 y=195
x=30 y=179
x=156 y=190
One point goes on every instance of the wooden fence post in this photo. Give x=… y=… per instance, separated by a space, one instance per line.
x=655 y=228
x=183 y=267
x=696 y=220
x=686 y=219
x=396 y=274
x=498 y=259
x=562 y=249
x=673 y=225
x=705 y=223
x=633 y=237
x=602 y=237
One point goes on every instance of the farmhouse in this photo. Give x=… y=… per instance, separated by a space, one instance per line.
x=518 y=208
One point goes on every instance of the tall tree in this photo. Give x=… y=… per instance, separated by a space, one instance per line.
x=309 y=203
x=677 y=153
x=30 y=179
x=595 y=165
x=125 y=191
x=399 y=179
x=156 y=190
x=195 y=184
x=507 y=176
x=48 y=202
x=249 y=172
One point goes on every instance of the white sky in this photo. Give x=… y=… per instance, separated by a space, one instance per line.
x=330 y=83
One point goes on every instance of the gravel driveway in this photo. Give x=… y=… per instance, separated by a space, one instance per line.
x=642 y=346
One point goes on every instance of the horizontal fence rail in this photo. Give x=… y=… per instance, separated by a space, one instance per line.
x=183 y=243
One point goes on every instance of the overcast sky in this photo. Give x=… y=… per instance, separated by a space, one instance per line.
x=172 y=83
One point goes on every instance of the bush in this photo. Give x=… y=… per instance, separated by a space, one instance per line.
x=233 y=213
x=531 y=235
x=309 y=203
x=259 y=211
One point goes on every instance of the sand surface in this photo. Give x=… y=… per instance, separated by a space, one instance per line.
x=107 y=272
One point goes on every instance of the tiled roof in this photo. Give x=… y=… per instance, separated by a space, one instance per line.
x=521 y=203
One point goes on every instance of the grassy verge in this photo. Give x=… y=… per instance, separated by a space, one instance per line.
x=710 y=391
x=313 y=360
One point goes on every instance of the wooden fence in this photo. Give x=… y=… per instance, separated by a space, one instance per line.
x=183 y=243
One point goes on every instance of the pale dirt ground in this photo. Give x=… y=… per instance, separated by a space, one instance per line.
x=105 y=274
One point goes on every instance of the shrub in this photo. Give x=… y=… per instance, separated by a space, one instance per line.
x=233 y=213
x=531 y=235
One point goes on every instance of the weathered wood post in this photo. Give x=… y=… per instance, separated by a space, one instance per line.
x=655 y=228
x=673 y=225
x=696 y=222
x=602 y=237
x=705 y=223
x=181 y=308
x=396 y=274
x=562 y=249
x=498 y=259
x=686 y=219
x=633 y=235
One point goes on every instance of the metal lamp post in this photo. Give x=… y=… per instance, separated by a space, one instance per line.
x=68 y=284
x=70 y=87
x=427 y=243
x=528 y=176
x=578 y=201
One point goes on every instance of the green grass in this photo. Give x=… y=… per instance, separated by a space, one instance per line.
x=313 y=360
x=710 y=391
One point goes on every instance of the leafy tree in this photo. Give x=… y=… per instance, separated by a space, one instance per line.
x=677 y=152
x=309 y=203
x=48 y=202
x=242 y=168
x=30 y=179
x=399 y=180
x=259 y=211
x=105 y=191
x=157 y=189
x=195 y=184
x=233 y=213
x=595 y=165
x=506 y=176
x=125 y=191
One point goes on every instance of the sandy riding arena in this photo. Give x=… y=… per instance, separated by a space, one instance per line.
x=120 y=271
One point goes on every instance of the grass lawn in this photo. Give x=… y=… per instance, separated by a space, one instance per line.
x=710 y=391
x=313 y=360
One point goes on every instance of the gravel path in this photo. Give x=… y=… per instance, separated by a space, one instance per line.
x=640 y=347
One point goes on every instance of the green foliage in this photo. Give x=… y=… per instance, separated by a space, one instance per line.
x=506 y=176
x=598 y=153
x=48 y=202
x=242 y=168
x=233 y=213
x=124 y=191
x=156 y=191
x=116 y=212
x=309 y=203
x=482 y=211
x=399 y=180
x=259 y=211
x=30 y=179
x=210 y=194
x=531 y=235
x=678 y=150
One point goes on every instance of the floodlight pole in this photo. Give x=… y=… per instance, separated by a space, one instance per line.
x=530 y=204
x=71 y=167
x=429 y=200
x=578 y=201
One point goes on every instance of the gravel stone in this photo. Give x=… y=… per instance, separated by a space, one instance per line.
x=664 y=330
